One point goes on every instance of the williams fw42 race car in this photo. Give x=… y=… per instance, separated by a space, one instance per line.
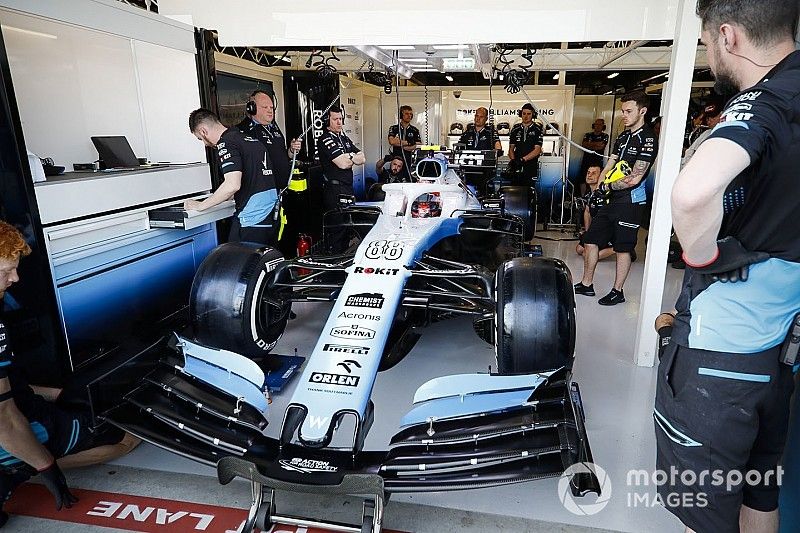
x=430 y=251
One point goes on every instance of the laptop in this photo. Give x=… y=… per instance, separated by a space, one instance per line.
x=115 y=151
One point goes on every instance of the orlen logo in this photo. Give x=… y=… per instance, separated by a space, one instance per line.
x=353 y=331
x=379 y=270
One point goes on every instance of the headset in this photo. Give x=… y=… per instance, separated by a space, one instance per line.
x=326 y=118
x=250 y=107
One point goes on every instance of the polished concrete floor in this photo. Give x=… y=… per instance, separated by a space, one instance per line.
x=617 y=394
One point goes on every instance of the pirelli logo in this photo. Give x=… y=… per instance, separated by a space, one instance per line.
x=334 y=379
x=373 y=300
x=345 y=348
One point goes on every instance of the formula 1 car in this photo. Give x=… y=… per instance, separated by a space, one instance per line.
x=430 y=251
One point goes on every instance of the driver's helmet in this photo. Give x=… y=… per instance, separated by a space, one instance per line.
x=428 y=205
x=456 y=128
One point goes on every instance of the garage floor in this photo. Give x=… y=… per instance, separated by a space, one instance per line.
x=618 y=398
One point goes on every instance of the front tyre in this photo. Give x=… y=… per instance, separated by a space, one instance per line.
x=230 y=305
x=535 y=316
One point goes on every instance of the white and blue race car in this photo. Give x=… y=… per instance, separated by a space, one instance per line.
x=431 y=250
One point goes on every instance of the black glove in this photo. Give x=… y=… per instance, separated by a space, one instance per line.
x=514 y=165
x=54 y=480
x=732 y=262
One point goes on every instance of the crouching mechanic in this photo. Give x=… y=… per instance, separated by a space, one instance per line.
x=724 y=383
x=35 y=431
x=619 y=220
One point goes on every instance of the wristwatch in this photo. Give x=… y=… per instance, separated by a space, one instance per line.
x=351 y=155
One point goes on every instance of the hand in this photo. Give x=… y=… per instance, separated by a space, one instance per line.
x=604 y=189
x=54 y=480
x=731 y=262
x=514 y=165
x=295 y=145
x=192 y=205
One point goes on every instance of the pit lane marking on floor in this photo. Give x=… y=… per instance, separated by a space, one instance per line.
x=136 y=513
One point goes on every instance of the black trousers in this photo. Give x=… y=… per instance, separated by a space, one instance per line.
x=264 y=233
x=336 y=238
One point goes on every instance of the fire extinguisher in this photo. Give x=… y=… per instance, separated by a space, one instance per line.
x=303 y=248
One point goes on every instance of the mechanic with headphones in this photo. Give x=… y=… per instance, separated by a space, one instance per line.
x=249 y=180
x=260 y=123
x=404 y=138
x=618 y=221
x=725 y=381
x=525 y=145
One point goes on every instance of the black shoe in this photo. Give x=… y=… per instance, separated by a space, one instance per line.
x=580 y=288
x=612 y=298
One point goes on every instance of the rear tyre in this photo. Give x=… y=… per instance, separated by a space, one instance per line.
x=521 y=201
x=535 y=318
x=229 y=304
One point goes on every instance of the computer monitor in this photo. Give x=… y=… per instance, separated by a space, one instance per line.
x=115 y=151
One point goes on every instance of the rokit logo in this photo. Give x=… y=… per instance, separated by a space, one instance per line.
x=353 y=331
x=371 y=270
x=326 y=378
x=307 y=466
x=359 y=316
x=373 y=300
x=344 y=348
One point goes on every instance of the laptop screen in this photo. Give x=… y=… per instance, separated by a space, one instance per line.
x=115 y=152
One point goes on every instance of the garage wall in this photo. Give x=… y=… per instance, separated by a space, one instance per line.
x=586 y=110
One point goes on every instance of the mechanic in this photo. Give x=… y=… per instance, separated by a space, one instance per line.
x=249 y=179
x=338 y=155
x=525 y=146
x=393 y=174
x=404 y=138
x=481 y=137
x=592 y=201
x=618 y=221
x=36 y=426
x=723 y=392
x=260 y=124
x=595 y=140
x=712 y=112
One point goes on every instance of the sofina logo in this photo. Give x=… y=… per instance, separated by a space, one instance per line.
x=353 y=331
x=568 y=500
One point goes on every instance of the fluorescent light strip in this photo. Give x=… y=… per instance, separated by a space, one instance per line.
x=613 y=75
x=398 y=47
x=449 y=77
x=450 y=47
x=414 y=59
x=556 y=76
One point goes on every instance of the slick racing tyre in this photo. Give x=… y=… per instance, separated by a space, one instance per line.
x=376 y=193
x=229 y=304
x=535 y=317
x=521 y=201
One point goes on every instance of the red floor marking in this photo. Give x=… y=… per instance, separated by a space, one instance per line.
x=136 y=513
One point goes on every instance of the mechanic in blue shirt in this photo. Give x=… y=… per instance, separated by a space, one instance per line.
x=36 y=425
x=723 y=393
x=619 y=220
x=260 y=124
x=249 y=179
x=404 y=138
x=525 y=145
